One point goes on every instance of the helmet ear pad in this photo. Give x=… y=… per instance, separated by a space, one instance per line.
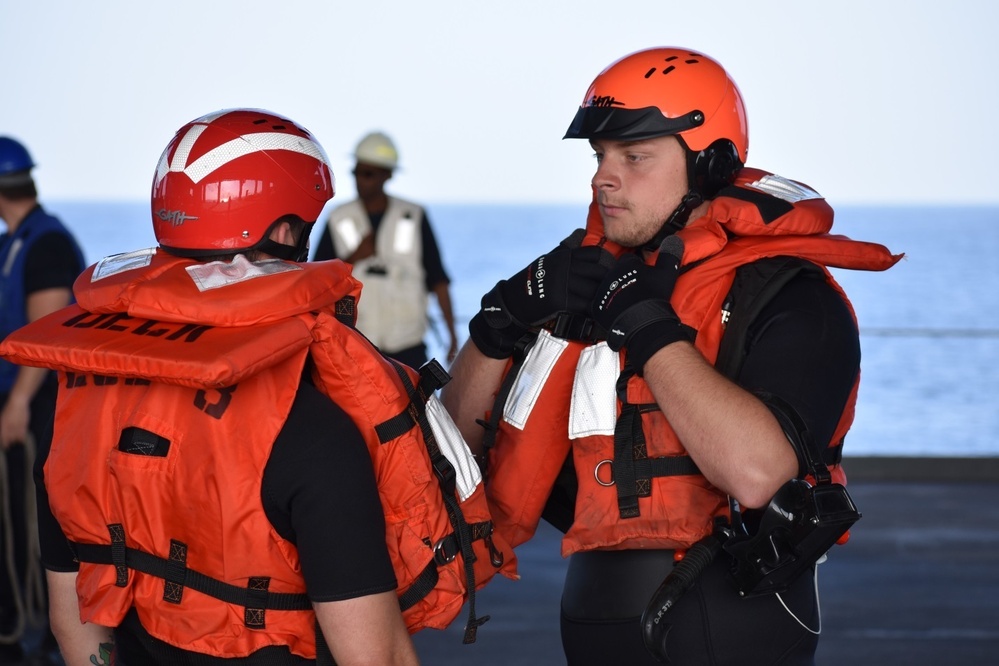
x=713 y=168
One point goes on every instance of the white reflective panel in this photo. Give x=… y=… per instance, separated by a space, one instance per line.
x=785 y=189
x=405 y=236
x=118 y=263
x=217 y=274
x=248 y=143
x=348 y=232
x=593 y=410
x=454 y=448
x=533 y=374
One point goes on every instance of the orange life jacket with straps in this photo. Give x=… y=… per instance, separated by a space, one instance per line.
x=208 y=357
x=637 y=487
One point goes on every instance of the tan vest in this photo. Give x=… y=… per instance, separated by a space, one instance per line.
x=393 y=314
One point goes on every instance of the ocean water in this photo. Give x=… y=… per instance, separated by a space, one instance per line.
x=929 y=326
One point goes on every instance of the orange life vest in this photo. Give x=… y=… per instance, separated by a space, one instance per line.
x=647 y=493
x=209 y=358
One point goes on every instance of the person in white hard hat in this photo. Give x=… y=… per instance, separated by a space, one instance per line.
x=393 y=251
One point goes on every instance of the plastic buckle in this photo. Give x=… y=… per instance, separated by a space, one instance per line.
x=445 y=473
x=433 y=374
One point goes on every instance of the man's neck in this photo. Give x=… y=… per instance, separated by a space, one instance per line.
x=375 y=204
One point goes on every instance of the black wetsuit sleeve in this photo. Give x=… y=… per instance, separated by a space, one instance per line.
x=433 y=265
x=325 y=249
x=804 y=348
x=56 y=554
x=51 y=262
x=319 y=492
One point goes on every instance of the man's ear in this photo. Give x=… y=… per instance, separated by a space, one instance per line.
x=281 y=233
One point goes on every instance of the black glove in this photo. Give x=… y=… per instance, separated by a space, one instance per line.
x=563 y=280
x=632 y=304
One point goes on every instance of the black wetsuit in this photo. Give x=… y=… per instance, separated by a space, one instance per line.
x=803 y=347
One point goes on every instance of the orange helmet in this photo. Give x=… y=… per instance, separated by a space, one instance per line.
x=664 y=91
x=227 y=177
x=670 y=91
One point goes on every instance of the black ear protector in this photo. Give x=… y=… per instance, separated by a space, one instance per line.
x=714 y=167
x=708 y=171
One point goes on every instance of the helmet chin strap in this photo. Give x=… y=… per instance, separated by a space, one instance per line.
x=676 y=221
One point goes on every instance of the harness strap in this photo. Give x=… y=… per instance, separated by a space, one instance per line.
x=255 y=598
x=633 y=469
x=432 y=376
x=345 y=311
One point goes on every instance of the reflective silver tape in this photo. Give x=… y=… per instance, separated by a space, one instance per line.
x=454 y=448
x=593 y=410
x=531 y=378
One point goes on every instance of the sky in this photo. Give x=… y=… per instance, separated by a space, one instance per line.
x=868 y=101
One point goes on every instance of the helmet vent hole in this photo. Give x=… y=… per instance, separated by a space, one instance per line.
x=278 y=127
x=692 y=61
x=671 y=58
x=259 y=121
x=669 y=69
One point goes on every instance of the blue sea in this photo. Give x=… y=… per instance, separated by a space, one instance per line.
x=929 y=326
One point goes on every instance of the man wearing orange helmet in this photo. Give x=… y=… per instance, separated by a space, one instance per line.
x=210 y=501
x=659 y=379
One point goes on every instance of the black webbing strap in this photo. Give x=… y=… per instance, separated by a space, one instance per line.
x=570 y=326
x=117 y=532
x=173 y=586
x=432 y=377
x=800 y=437
x=633 y=470
x=255 y=598
x=754 y=286
x=345 y=311
x=445 y=550
x=520 y=349
x=627 y=427
x=430 y=374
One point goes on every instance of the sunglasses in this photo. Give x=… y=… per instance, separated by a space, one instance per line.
x=368 y=173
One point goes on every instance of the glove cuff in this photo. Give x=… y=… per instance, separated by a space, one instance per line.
x=646 y=341
x=495 y=343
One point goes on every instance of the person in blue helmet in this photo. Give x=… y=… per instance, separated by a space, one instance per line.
x=39 y=260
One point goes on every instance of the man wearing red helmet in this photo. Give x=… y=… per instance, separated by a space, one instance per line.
x=650 y=385
x=211 y=502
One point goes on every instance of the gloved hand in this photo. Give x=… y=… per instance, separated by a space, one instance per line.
x=563 y=280
x=632 y=304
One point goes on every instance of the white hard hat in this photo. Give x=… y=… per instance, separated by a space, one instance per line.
x=378 y=150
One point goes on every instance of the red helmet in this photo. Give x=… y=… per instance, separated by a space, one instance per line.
x=664 y=91
x=226 y=177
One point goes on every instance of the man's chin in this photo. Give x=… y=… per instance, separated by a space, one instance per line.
x=618 y=234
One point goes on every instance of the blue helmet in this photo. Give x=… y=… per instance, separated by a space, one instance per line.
x=14 y=157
